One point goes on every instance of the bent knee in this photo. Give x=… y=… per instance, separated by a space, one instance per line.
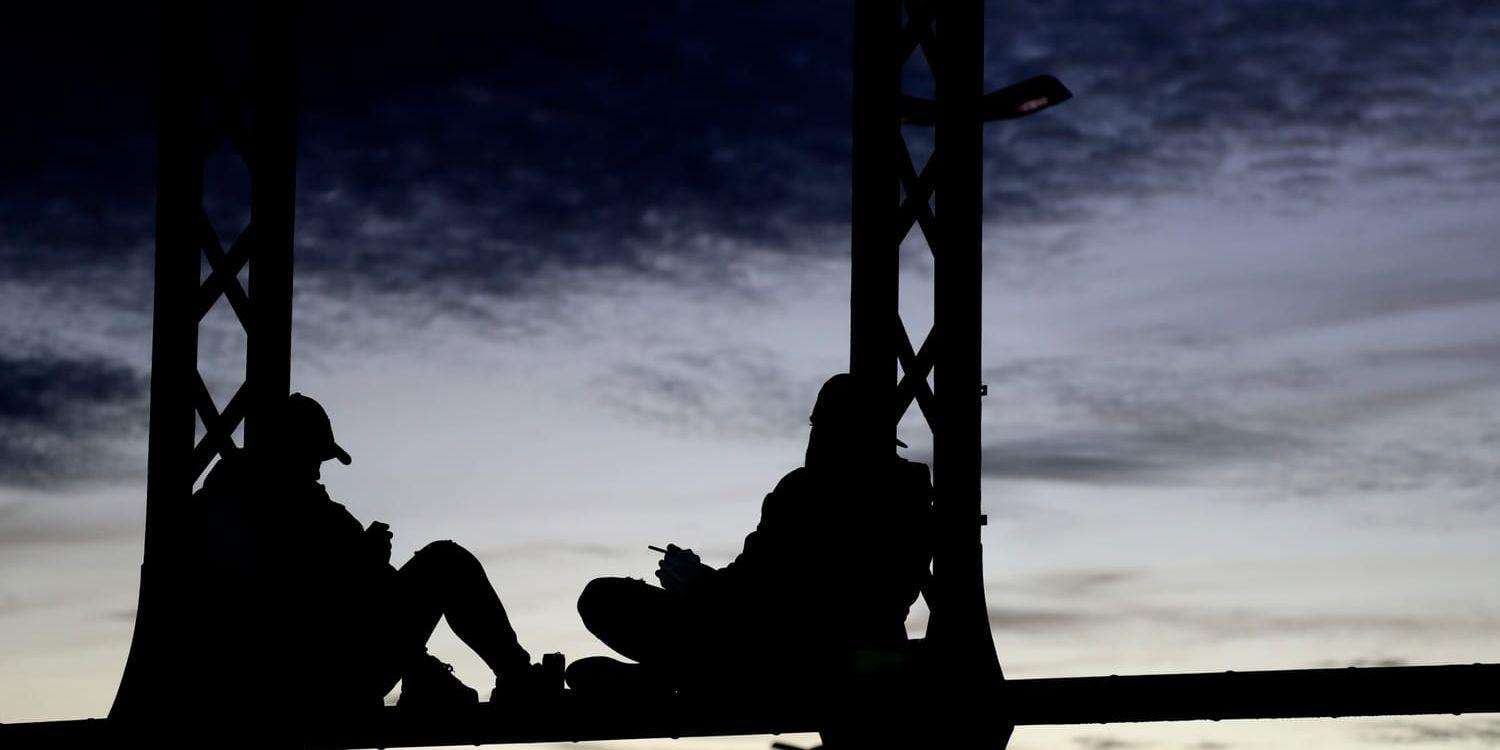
x=449 y=550
x=602 y=596
x=589 y=598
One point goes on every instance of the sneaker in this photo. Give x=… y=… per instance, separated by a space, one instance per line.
x=430 y=684
x=543 y=679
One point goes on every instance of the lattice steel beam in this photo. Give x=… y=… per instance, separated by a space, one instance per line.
x=204 y=106
x=941 y=200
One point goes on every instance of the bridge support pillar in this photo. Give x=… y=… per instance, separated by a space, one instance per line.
x=942 y=200
x=236 y=95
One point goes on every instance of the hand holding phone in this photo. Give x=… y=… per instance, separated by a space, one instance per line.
x=380 y=533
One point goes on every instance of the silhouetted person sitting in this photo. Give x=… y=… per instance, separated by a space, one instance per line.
x=836 y=562
x=322 y=613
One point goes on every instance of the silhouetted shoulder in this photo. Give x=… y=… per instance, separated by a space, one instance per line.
x=786 y=501
x=795 y=480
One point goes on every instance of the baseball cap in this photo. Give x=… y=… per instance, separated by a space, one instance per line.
x=307 y=419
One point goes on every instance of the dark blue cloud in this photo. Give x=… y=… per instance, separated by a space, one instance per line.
x=546 y=136
x=461 y=151
x=58 y=417
x=76 y=141
x=455 y=145
x=475 y=148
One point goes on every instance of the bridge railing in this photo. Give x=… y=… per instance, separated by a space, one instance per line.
x=571 y=717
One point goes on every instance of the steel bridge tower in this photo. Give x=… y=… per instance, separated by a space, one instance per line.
x=248 y=106
x=941 y=199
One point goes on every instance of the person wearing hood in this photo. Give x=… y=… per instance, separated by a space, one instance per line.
x=839 y=556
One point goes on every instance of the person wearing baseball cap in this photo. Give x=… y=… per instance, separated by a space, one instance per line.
x=347 y=624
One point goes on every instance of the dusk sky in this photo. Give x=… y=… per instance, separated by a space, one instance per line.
x=569 y=276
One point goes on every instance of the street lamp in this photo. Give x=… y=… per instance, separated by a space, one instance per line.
x=1014 y=101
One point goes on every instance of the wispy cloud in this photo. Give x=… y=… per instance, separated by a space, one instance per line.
x=59 y=415
x=1106 y=743
x=1039 y=620
x=729 y=390
x=435 y=159
x=1230 y=623
x=1086 y=603
x=1484 y=733
x=1123 y=455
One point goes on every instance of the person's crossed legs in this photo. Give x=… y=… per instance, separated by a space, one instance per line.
x=679 y=640
x=642 y=622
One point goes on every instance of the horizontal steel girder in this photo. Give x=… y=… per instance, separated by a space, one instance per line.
x=1306 y=693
